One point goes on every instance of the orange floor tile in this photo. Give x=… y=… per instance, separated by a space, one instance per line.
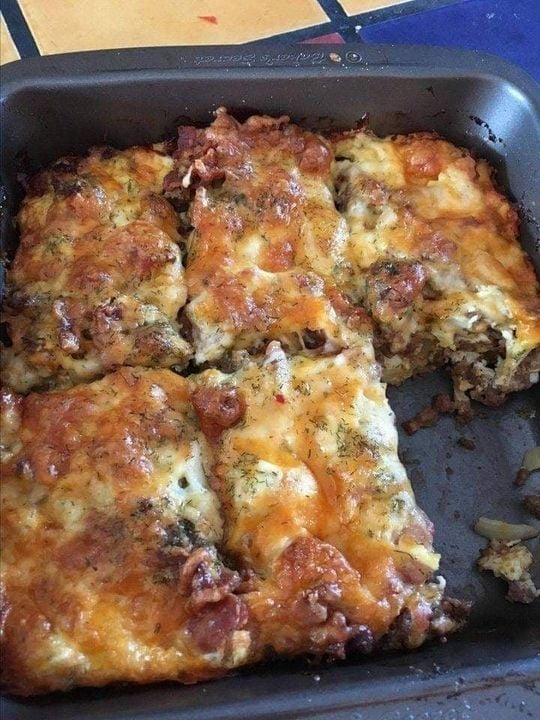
x=354 y=7
x=8 y=51
x=69 y=25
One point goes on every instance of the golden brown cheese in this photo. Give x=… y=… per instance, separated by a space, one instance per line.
x=97 y=281
x=112 y=534
x=267 y=242
x=317 y=504
x=434 y=256
x=108 y=536
x=156 y=527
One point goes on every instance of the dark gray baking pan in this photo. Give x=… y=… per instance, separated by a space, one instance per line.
x=63 y=104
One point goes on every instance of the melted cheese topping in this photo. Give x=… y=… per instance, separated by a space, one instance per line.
x=311 y=477
x=103 y=487
x=116 y=505
x=263 y=238
x=419 y=199
x=109 y=522
x=97 y=280
x=76 y=195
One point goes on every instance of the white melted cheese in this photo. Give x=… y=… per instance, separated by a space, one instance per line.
x=189 y=491
x=60 y=653
x=249 y=481
x=375 y=157
x=210 y=339
x=487 y=303
x=453 y=192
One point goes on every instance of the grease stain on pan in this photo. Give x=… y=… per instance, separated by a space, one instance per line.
x=491 y=135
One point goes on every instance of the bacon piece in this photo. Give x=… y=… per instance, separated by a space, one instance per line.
x=398 y=634
x=422 y=155
x=107 y=315
x=196 y=572
x=205 y=579
x=212 y=625
x=421 y=528
x=522 y=591
x=311 y=562
x=218 y=409
x=331 y=636
x=316 y=157
x=312 y=607
x=188 y=135
x=373 y=192
x=361 y=642
x=190 y=145
x=449 y=616
x=393 y=287
x=435 y=246
x=208 y=169
x=357 y=318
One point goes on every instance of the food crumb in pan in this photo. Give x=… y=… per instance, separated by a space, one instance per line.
x=500 y=530
x=532 y=503
x=467 y=443
x=511 y=562
x=521 y=477
x=527 y=413
x=531 y=462
x=441 y=404
x=523 y=590
x=427 y=417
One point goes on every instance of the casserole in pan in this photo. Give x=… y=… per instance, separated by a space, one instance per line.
x=352 y=82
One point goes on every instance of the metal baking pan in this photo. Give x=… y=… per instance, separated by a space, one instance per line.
x=63 y=104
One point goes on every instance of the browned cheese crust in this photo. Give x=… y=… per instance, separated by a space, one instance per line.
x=97 y=281
x=109 y=533
x=113 y=498
x=318 y=508
x=266 y=243
x=156 y=527
x=434 y=257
